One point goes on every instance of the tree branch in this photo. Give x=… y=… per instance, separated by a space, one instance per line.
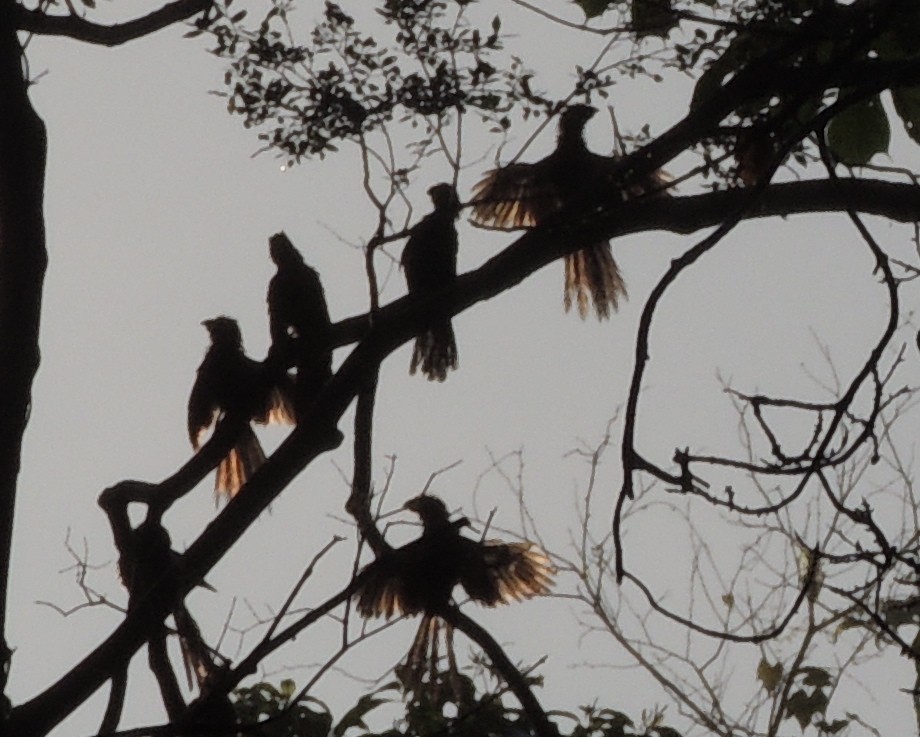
x=539 y=247
x=23 y=260
x=72 y=26
x=536 y=715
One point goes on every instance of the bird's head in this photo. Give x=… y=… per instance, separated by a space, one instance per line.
x=444 y=197
x=282 y=250
x=432 y=511
x=575 y=117
x=224 y=330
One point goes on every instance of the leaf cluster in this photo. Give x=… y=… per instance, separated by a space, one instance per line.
x=814 y=59
x=346 y=83
x=450 y=704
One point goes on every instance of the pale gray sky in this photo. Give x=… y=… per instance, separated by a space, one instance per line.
x=158 y=217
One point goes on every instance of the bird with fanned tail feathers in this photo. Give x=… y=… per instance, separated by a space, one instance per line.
x=419 y=577
x=524 y=195
x=229 y=383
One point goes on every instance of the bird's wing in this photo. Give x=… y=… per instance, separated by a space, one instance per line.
x=498 y=573
x=274 y=403
x=382 y=589
x=202 y=407
x=429 y=258
x=278 y=317
x=514 y=196
x=279 y=408
x=296 y=300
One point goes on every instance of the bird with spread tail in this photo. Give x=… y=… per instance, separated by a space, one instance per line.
x=524 y=195
x=430 y=263
x=298 y=320
x=230 y=384
x=419 y=577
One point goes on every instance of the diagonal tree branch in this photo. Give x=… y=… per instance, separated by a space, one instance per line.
x=394 y=325
x=535 y=249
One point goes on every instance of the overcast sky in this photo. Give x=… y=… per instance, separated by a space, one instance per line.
x=158 y=216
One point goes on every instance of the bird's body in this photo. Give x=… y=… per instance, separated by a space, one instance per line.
x=299 y=319
x=230 y=383
x=429 y=260
x=419 y=578
x=523 y=195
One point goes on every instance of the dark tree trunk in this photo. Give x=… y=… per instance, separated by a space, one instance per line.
x=22 y=271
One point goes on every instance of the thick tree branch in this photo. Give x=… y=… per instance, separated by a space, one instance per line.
x=23 y=261
x=536 y=715
x=535 y=249
x=72 y=26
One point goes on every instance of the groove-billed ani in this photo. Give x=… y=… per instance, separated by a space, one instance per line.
x=525 y=195
x=229 y=383
x=298 y=319
x=147 y=560
x=419 y=577
x=430 y=262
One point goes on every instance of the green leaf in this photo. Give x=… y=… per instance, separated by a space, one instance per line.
x=907 y=106
x=288 y=687
x=859 y=132
x=804 y=706
x=593 y=8
x=832 y=728
x=769 y=675
x=354 y=717
x=652 y=17
x=899 y=41
x=817 y=677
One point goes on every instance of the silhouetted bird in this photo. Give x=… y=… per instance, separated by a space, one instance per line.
x=146 y=560
x=524 y=195
x=298 y=319
x=229 y=383
x=419 y=577
x=430 y=262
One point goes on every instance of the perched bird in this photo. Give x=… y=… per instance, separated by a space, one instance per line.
x=298 y=319
x=430 y=262
x=418 y=578
x=525 y=195
x=229 y=383
x=146 y=559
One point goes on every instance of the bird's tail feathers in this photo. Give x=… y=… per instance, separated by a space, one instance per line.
x=197 y=657
x=239 y=465
x=592 y=275
x=422 y=672
x=435 y=352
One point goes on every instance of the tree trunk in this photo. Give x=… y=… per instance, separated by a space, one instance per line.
x=23 y=260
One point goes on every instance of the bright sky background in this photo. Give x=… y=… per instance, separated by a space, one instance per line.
x=158 y=216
